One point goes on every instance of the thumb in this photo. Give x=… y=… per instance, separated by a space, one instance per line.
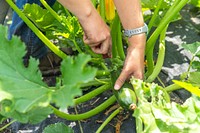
x=120 y=81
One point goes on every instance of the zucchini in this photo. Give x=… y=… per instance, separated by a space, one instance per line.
x=125 y=95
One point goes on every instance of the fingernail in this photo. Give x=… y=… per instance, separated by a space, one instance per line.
x=116 y=87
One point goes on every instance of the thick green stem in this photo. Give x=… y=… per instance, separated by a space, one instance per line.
x=161 y=57
x=101 y=73
x=56 y=16
x=172 y=87
x=104 y=66
x=40 y=35
x=155 y=14
x=92 y=94
x=96 y=82
x=88 y=114
x=150 y=63
x=117 y=111
x=117 y=45
x=102 y=9
x=173 y=10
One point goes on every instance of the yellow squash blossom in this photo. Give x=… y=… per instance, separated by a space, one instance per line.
x=110 y=9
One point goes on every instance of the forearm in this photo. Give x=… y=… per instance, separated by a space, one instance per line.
x=130 y=13
x=82 y=9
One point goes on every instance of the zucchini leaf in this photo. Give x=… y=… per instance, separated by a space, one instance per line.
x=23 y=94
x=21 y=88
x=58 y=128
x=65 y=30
x=75 y=71
x=194 y=48
x=155 y=112
x=42 y=18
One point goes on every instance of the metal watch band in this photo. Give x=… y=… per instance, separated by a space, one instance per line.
x=131 y=32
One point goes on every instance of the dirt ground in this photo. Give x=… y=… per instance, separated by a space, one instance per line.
x=185 y=30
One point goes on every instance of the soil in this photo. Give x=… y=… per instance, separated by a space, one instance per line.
x=185 y=30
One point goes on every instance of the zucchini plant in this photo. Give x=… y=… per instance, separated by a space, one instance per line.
x=149 y=102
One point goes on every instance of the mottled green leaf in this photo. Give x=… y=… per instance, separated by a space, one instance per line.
x=39 y=16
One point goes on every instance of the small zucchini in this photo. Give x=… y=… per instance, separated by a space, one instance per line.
x=125 y=95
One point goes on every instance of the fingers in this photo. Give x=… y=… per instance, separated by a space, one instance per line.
x=100 y=47
x=127 y=75
x=121 y=79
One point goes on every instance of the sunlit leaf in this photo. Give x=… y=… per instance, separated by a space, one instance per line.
x=22 y=87
x=155 y=113
x=39 y=16
x=188 y=86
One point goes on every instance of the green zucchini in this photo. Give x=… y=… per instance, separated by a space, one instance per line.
x=125 y=96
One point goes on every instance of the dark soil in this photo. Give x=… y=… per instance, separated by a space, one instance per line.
x=185 y=30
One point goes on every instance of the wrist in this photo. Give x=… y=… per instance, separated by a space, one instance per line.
x=140 y=30
x=137 y=41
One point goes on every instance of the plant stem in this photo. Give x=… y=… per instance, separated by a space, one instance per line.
x=102 y=9
x=4 y=127
x=92 y=94
x=76 y=45
x=161 y=57
x=117 y=111
x=161 y=82
x=150 y=63
x=173 y=10
x=102 y=73
x=95 y=82
x=155 y=14
x=80 y=126
x=191 y=61
x=40 y=35
x=172 y=87
x=86 y=115
x=56 y=16
x=117 y=45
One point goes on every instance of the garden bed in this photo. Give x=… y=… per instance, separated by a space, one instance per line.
x=185 y=30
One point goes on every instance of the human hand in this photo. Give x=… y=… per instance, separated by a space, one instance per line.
x=134 y=62
x=97 y=34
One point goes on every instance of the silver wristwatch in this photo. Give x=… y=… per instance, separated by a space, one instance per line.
x=131 y=32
